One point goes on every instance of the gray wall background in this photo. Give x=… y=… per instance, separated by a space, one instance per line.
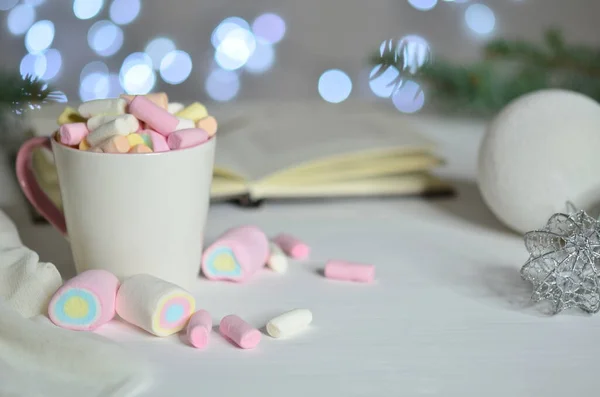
x=321 y=34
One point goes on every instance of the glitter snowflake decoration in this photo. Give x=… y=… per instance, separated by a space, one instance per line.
x=563 y=262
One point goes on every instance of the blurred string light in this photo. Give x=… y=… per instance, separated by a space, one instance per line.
x=423 y=5
x=39 y=36
x=114 y=86
x=416 y=52
x=334 y=86
x=235 y=49
x=87 y=9
x=480 y=18
x=20 y=19
x=94 y=81
x=383 y=85
x=105 y=38
x=262 y=58
x=33 y=65
x=225 y=27
x=7 y=4
x=222 y=85
x=34 y=3
x=53 y=64
x=269 y=27
x=176 y=67
x=409 y=98
x=123 y=12
x=158 y=48
x=136 y=75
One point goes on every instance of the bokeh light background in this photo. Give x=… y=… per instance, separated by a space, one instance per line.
x=262 y=50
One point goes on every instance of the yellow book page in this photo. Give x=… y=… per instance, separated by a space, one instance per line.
x=358 y=170
x=384 y=186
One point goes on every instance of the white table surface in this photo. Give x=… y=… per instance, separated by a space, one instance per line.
x=448 y=314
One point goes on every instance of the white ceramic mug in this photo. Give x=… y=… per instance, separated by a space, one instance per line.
x=128 y=213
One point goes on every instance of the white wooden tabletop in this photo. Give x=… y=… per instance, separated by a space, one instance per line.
x=448 y=314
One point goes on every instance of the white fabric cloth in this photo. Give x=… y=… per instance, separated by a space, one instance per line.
x=39 y=359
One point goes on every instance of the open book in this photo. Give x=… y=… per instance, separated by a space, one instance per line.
x=301 y=150
x=310 y=150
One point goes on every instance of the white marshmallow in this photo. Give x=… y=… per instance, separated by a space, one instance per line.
x=96 y=121
x=277 y=260
x=123 y=125
x=185 y=124
x=102 y=106
x=289 y=323
x=175 y=107
x=145 y=300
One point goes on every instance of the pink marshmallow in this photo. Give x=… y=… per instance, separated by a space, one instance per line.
x=159 y=142
x=236 y=255
x=85 y=302
x=348 y=271
x=292 y=247
x=73 y=133
x=153 y=115
x=198 y=329
x=187 y=138
x=243 y=334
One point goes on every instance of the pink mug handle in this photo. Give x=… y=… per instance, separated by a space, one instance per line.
x=32 y=189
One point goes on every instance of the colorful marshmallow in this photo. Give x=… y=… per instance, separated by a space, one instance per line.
x=186 y=138
x=85 y=302
x=141 y=148
x=153 y=115
x=208 y=124
x=94 y=122
x=198 y=329
x=277 y=260
x=289 y=323
x=349 y=271
x=195 y=112
x=159 y=142
x=159 y=98
x=69 y=115
x=135 y=139
x=236 y=255
x=114 y=144
x=102 y=107
x=293 y=247
x=72 y=134
x=157 y=306
x=185 y=124
x=123 y=125
x=175 y=107
x=240 y=332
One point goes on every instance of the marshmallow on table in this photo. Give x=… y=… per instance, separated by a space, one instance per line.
x=243 y=334
x=348 y=271
x=175 y=107
x=96 y=121
x=155 y=305
x=236 y=255
x=72 y=134
x=69 y=115
x=289 y=323
x=293 y=247
x=102 y=106
x=141 y=148
x=114 y=144
x=277 y=260
x=123 y=125
x=158 y=143
x=195 y=112
x=187 y=138
x=153 y=115
x=85 y=302
x=208 y=124
x=199 y=328
x=159 y=98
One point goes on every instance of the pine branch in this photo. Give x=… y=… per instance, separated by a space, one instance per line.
x=18 y=93
x=509 y=69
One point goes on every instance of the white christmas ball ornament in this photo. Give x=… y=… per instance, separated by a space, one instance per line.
x=541 y=151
